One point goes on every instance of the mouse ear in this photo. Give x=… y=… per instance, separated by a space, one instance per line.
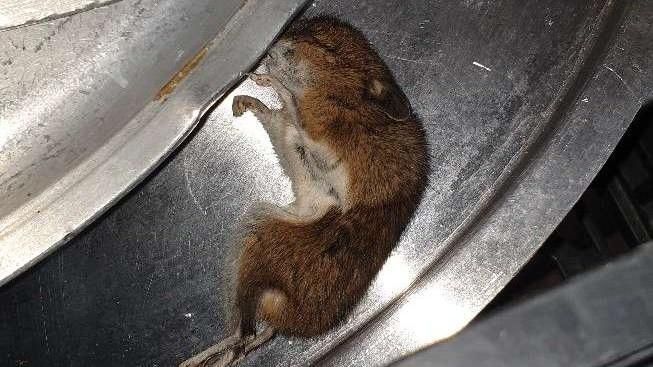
x=389 y=99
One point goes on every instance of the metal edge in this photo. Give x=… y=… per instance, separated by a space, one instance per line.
x=535 y=145
x=168 y=126
x=48 y=12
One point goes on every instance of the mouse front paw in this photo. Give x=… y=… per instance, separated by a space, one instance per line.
x=241 y=104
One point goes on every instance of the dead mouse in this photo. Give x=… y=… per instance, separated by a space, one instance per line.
x=358 y=162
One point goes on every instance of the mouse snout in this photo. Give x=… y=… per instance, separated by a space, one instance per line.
x=273 y=57
x=279 y=56
x=281 y=51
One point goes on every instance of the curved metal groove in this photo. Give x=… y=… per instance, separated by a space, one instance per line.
x=50 y=219
x=607 y=21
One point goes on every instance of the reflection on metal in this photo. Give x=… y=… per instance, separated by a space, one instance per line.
x=602 y=318
x=396 y=276
x=14 y=13
x=421 y=319
x=81 y=121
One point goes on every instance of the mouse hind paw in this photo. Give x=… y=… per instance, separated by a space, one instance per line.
x=229 y=351
x=218 y=355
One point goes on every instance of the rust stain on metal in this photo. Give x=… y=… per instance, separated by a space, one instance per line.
x=181 y=74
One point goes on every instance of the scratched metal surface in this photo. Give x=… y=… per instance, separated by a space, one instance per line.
x=14 y=13
x=84 y=116
x=523 y=102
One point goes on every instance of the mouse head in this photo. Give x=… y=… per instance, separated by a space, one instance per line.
x=328 y=58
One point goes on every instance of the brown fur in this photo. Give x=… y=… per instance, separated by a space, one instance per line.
x=302 y=278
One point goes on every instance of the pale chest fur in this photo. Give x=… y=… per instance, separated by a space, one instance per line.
x=322 y=179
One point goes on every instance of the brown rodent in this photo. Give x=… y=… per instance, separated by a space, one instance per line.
x=358 y=163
